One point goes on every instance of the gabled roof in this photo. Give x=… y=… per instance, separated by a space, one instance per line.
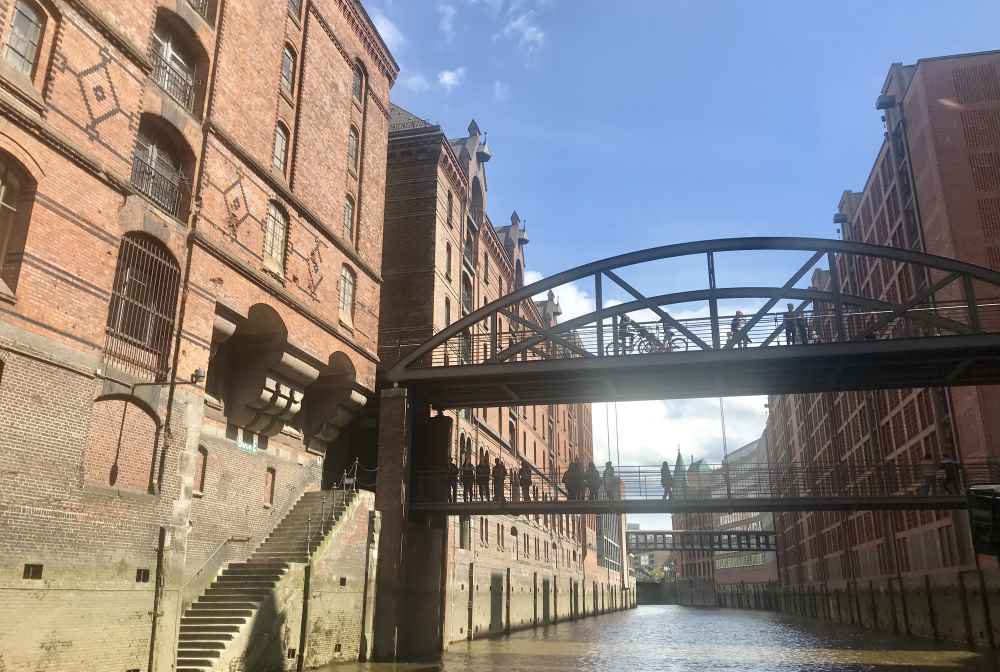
x=403 y=120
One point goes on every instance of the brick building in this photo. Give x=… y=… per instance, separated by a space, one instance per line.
x=934 y=187
x=190 y=186
x=443 y=259
x=693 y=480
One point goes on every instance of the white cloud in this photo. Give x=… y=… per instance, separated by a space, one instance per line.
x=573 y=300
x=390 y=32
x=447 y=22
x=527 y=33
x=450 y=79
x=501 y=90
x=414 y=82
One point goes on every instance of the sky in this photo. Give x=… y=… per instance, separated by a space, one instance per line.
x=620 y=126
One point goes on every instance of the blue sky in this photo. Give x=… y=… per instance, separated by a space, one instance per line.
x=619 y=126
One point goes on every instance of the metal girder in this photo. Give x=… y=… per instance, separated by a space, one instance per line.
x=548 y=333
x=900 y=310
x=662 y=314
x=816 y=245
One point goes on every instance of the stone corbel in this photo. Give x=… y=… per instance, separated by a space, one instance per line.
x=268 y=387
x=332 y=403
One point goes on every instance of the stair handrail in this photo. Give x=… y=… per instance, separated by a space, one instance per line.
x=210 y=562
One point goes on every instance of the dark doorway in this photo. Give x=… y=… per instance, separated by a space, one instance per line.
x=496 y=602
x=545 y=600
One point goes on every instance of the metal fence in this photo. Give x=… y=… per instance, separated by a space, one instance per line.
x=177 y=84
x=849 y=480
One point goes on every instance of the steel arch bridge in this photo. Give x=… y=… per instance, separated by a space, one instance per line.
x=876 y=317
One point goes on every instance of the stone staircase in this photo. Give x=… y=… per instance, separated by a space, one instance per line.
x=216 y=618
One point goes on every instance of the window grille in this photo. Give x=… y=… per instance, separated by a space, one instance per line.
x=275 y=233
x=25 y=34
x=279 y=155
x=346 y=294
x=143 y=302
x=156 y=172
x=173 y=71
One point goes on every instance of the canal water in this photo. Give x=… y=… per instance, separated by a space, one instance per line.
x=688 y=639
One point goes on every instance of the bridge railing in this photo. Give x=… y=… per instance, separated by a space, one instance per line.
x=617 y=337
x=715 y=482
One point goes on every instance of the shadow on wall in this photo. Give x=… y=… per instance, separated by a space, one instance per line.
x=265 y=651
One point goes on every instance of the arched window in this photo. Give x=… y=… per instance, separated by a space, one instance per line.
x=468 y=304
x=288 y=70
x=200 y=467
x=358 y=85
x=279 y=155
x=143 y=303
x=269 y=478
x=25 y=36
x=157 y=171
x=450 y=207
x=447 y=261
x=17 y=195
x=173 y=66
x=352 y=149
x=349 y=218
x=347 y=284
x=275 y=235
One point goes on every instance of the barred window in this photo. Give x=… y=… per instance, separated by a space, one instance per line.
x=275 y=234
x=349 y=218
x=358 y=85
x=287 y=70
x=157 y=172
x=25 y=35
x=347 y=283
x=279 y=156
x=352 y=148
x=143 y=302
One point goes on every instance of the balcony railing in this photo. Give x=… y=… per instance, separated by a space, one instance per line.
x=177 y=84
x=167 y=191
x=200 y=6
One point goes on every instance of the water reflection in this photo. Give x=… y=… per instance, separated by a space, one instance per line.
x=701 y=640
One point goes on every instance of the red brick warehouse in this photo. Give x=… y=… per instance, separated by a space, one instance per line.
x=188 y=185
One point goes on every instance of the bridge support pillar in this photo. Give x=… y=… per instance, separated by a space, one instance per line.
x=409 y=604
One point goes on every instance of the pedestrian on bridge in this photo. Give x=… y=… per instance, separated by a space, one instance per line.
x=571 y=481
x=952 y=482
x=483 y=477
x=524 y=476
x=499 y=478
x=928 y=475
x=666 y=479
x=452 y=480
x=611 y=481
x=790 y=325
x=468 y=477
x=593 y=480
x=737 y=329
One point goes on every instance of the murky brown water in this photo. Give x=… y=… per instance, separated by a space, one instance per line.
x=671 y=638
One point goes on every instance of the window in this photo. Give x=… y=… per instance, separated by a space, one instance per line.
x=358 y=85
x=447 y=261
x=486 y=268
x=142 y=575
x=157 y=173
x=275 y=234
x=349 y=218
x=347 y=282
x=450 y=207
x=295 y=8
x=269 y=478
x=143 y=302
x=173 y=68
x=279 y=156
x=16 y=195
x=447 y=311
x=25 y=35
x=32 y=572
x=200 y=467
x=352 y=149
x=287 y=70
